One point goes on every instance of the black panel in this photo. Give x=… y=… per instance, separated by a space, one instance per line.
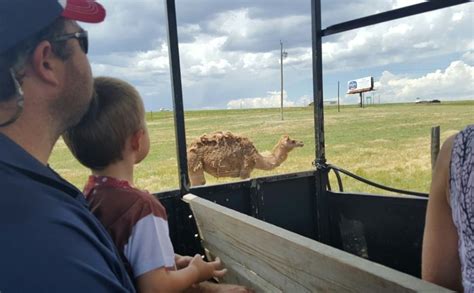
x=290 y=204
x=182 y=227
x=233 y=195
x=387 y=230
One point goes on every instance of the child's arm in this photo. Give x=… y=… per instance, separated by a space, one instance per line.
x=163 y=280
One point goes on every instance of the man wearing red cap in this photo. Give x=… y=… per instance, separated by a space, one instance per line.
x=49 y=242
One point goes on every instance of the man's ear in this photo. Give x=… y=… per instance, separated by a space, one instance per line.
x=45 y=63
x=136 y=139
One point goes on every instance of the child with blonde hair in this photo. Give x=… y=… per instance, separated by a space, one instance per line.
x=110 y=140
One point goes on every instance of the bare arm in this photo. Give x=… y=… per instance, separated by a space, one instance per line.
x=440 y=259
x=163 y=280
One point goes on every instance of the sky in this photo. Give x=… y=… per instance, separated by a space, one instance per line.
x=230 y=52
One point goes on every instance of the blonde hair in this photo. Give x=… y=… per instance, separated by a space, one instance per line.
x=116 y=113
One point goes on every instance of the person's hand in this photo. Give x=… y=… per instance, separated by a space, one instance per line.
x=207 y=270
x=182 y=261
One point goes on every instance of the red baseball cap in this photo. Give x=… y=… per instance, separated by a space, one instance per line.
x=20 y=19
x=83 y=10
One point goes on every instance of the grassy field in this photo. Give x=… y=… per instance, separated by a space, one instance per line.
x=388 y=144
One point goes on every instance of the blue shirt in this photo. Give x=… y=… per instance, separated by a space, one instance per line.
x=49 y=240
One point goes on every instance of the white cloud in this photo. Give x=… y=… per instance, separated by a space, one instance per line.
x=272 y=100
x=236 y=23
x=468 y=57
x=258 y=61
x=403 y=3
x=191 y=29
x=454 y=83
x=457 y=16
x=398 y=30
x=204 y=57
x=153 y=60
x=211 y=67
x=136 y=65
x=247 y=32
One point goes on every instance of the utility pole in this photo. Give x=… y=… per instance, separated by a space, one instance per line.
x=282 y=56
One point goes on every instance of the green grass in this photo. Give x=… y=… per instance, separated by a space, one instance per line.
x=389 y=144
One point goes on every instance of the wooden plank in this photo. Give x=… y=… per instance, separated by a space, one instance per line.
x=238 y=274
x=291 y=262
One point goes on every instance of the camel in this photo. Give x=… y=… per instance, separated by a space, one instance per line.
x=223 y=154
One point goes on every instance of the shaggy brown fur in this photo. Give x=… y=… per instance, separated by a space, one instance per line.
x=223 y=154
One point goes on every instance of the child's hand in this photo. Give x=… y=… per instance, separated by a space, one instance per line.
x=207 y=270
x=182 y=261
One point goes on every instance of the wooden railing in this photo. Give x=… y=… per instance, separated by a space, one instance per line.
x=271 y=259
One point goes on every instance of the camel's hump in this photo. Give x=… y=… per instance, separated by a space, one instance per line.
x=221 y=139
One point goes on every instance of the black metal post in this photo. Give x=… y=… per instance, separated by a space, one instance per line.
x=322 y=173
x=178 y=112
x=281 y=78
x=318 y=83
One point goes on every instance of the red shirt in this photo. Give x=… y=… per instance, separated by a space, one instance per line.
x=135 y=219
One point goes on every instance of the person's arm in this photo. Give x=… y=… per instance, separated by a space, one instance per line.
x=163 y=280
x=440 y=259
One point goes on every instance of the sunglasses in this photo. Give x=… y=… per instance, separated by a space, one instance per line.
x=80 y=36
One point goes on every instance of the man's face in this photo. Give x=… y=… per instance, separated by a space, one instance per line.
x=77 y=86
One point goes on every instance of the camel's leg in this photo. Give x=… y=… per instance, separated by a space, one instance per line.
x=197 y=177
x=195 y=169
x=245 y=173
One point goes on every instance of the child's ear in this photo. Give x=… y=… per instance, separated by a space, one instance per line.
x=136 y=139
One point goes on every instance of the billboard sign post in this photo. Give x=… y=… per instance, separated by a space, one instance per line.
x=359 y=86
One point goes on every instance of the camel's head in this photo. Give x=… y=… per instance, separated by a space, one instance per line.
x=289 y=144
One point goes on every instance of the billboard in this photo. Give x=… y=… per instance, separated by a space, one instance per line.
x=360 y=85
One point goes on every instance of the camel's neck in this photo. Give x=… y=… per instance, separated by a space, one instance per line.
x=272 y=161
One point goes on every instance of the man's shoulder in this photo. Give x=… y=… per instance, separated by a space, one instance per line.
x=55 y=254
x=53 y=238
x=27 y=198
